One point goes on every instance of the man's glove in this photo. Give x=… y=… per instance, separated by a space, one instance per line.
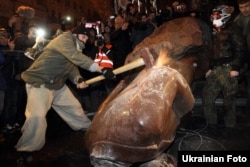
x=80 y=80
x=81 y=84
x=108 y=73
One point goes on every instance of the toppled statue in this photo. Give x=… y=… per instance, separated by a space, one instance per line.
x=138 y=120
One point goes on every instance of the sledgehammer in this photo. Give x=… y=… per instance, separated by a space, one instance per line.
x=145 y=59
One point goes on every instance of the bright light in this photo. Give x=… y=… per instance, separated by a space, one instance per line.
x=68 y=18
x=40 y=32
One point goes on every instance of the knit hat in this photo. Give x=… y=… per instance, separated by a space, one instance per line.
x=81 y=30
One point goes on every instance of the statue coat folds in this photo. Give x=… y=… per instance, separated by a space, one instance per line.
x=138 y=120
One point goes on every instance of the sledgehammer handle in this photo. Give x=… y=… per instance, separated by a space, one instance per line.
x=137 y=63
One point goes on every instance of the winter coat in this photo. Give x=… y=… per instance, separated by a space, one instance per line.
x=57 y=63
x=244 y=24
x=228 y=47
x=2 y=79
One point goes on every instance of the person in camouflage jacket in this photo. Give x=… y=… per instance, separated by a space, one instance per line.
x=225 y=64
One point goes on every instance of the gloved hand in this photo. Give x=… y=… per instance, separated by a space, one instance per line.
x=108 y=73
x=81 y=84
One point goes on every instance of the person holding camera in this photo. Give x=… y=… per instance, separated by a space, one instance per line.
x=104 y=53
x=101 y=53
x=104 y=57
x=46 y=87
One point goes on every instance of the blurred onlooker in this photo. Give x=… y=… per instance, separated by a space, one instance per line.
x=83 y=21
x=132 y=12
x=120 y=41
x=164 y=15
x=2 y=82
x=180 y=9
x=152 y=18
x=110 y=23
x=141 y=30
x=195 y=10
x=3 y=35
x=243 y=20
x=21 y=44
x=2 y=79
x=106 y=37
x=107 y=29
x=17 y=26
x=121 y=45
x=131 y=15
x=7 y=81
x=21 y=20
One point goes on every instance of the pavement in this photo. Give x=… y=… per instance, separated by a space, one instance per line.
x=64 y=147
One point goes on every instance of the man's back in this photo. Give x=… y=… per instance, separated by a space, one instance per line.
x=56 y=62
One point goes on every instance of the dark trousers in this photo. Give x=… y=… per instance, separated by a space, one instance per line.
x=219 y=81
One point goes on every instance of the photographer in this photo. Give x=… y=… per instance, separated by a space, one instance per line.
x=104 y=53
x=103 y=57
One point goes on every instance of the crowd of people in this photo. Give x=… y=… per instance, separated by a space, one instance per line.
x=29 y=88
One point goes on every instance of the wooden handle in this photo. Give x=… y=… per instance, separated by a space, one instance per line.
x=137 y=63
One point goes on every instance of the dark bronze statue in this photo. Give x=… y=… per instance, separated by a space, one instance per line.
x=138 y=120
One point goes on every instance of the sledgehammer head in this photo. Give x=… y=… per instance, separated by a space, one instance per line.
x=147 y=58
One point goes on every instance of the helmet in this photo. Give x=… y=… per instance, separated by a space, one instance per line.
x=220 y=15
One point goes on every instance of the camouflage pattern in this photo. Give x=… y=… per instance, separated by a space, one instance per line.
x=220 y=81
